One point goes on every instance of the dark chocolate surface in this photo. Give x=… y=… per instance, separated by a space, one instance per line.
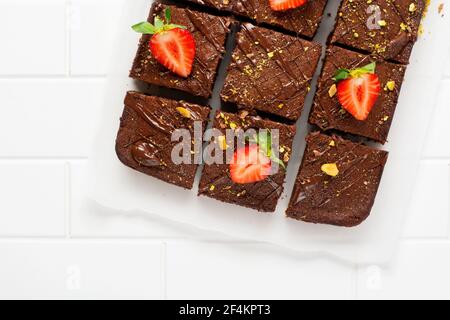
x=144 y=139
x=303 y=20
x=394 y=40
x=327 y=112
x=344 y=200
x=209 y=32
x=270 y=72
x=263 y=195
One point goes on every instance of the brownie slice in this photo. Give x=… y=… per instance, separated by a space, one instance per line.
x=216 y=179
x=144 y=141
x=344 y=197
x=303 y=20
x=327 y=113
x=391 y=33
x=225 y=5
x=209 y=32
x=270 y=72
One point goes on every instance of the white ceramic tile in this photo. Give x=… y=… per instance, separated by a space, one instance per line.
x=420 y=271
x=48 y=118
x=72 y=270
x=447 y=70
x=32 y=198
x=438 y=131
x=246 y=271
x=429 y=208
x=93 y=27
x=90 y=220
x=33 y=37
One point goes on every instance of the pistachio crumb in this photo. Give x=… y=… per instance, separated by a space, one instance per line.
x=184 y=112
x=212 y=187
x=332 y=143
x=390 y=85
x=332 y=91
x=222 y=141
x=330 y=169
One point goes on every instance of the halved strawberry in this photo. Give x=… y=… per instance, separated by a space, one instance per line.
x=250 y=165
x=174 y=49
x=358 y=90
x=282 y=5
x=172 y=45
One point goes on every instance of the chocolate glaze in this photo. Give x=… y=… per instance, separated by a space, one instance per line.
x=344 y=200
x=304 y=20
x=262 y=196
x=210 y=33
x=270 y=71
x=144 y=139
x=145 y=153
x=327 y=112
x=391 y=41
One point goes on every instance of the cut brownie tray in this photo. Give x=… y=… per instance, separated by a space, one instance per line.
x=124 y=190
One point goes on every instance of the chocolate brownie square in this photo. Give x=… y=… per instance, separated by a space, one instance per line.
x=337 y=182
x=216 y=4
x=144 y=142
x=303 y=20
x=270 y=72
x=217 y=179
x=209 y=32
x=386 y=27
x=327 y=113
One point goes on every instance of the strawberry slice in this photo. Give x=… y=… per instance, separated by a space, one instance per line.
x=172 y=45
x=175 y=50
x=358 y=90
x=282 y=5
x=250 y=165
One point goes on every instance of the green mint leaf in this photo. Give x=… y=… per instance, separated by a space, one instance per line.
x=173 y=26
x=144 y=28
x=264 y=140
x=370 y=68
x=276 y=160
x=159 y=24
x=168 y=15
x=341 y=74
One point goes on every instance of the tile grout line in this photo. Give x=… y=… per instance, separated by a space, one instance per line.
x=67 y=199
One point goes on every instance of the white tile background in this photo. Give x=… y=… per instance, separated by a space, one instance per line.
x=52 y=71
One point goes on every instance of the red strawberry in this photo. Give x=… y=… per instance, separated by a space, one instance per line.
x=172 y=45
x=358 y=90
x=174 y=49
x=282 y=5
x=250 y=165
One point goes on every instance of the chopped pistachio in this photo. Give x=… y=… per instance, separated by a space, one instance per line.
x=390 y=85
x=330 y=169
x=280 y=106
x=270 y=54
x=412 y=7
x=332 y=91
x=212 y=187
x=332 y=143
x=233 y=125
x=184 y=112
x=222 y=141
x=382 y=23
